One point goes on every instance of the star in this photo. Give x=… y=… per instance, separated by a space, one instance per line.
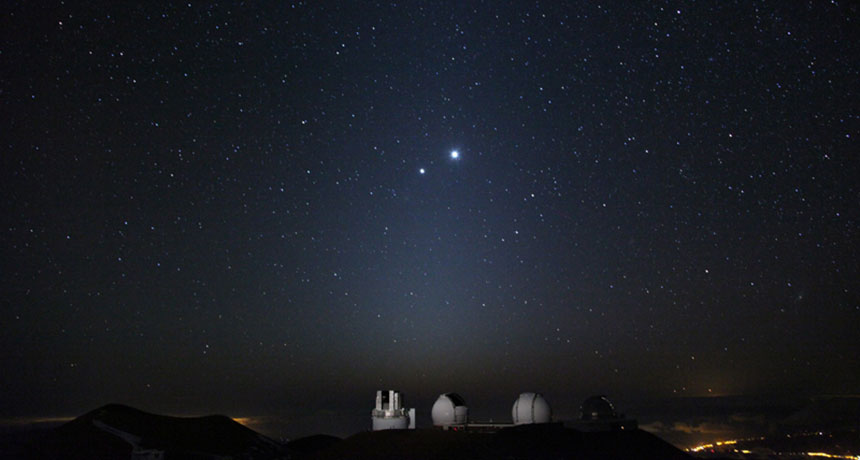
x=455 y=155
x=421 y=171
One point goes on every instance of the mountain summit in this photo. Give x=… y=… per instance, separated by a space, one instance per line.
x=118 y=431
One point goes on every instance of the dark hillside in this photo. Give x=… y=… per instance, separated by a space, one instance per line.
x=119 y=432
x=525 y=442
x=94 y=436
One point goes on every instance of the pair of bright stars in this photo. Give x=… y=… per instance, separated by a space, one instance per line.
x=455 y=155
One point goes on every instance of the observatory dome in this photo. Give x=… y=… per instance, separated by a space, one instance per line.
x=449 y=409
x=531 y=408
x=598 y=408
x=389 y=413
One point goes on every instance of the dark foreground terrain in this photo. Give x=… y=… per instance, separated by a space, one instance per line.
x=121 y=432
x=551 y=441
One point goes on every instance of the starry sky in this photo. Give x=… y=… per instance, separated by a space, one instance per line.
x=277 y=208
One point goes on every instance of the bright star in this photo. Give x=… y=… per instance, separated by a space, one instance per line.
x=421 y=171
x=455 y=154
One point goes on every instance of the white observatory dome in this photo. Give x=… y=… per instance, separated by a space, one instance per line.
x=531 y=408
x=449 y=409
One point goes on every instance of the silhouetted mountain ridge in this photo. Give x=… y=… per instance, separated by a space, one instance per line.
x=116 y=430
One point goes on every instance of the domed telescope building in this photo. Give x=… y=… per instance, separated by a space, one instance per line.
x=449 y=409
x=598 y=414
x=389 y=413
x=598 y=408
x=531 y=408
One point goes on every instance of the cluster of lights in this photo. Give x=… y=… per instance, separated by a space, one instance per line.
x=719 y=444
x=825 y=455
x=711 y=446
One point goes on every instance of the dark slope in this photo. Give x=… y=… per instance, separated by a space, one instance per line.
x=311 y=444
x=526 y=442
x=178 y=437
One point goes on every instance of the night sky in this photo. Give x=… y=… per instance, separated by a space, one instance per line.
x=257 y=209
